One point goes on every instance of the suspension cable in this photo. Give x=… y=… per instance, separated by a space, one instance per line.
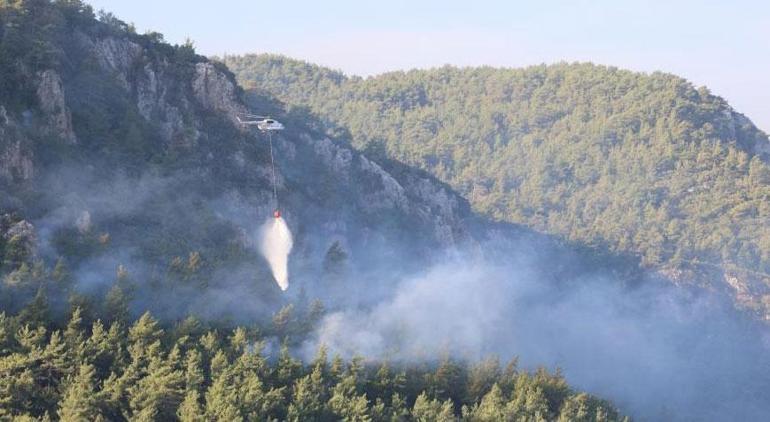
x=272 y=167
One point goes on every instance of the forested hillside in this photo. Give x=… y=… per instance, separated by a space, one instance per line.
x=133 y=284
x=127 y=189
x=97 y=372
x=640 y=164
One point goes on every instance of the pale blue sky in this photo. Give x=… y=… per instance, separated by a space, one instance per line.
x=723 y=45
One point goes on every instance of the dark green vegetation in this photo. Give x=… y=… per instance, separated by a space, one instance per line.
x=134 y=178
x=639 y=164
x=118 y=150
x=126 y=187
x=92 y=370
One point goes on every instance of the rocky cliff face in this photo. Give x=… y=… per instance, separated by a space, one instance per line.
x=735 y=126
x=420 y=197
x=52 y=119
x=15 y=155
x=51 y=98
x=21 y=234
x=150 y=83
x=747 y=289
x=328 y=190
x=215 y=91
x=160 y=95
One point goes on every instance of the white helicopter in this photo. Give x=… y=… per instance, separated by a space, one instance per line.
x=262 y=123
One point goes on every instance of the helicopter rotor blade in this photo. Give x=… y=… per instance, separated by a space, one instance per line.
x=253 y=116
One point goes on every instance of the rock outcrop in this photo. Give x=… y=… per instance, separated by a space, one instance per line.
x=117 y=55
x=15 y=156
x=215 y=91
x=20 y=236
x=153 y=85
x=422 y=198
x=738 y=127
x=50 y=94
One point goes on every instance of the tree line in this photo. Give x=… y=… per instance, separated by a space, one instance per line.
x=95 y=370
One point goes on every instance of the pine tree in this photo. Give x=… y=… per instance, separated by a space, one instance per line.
x=194 y=376
x=336 y=369
x=7 y=341
x=346 y=404
x=382 y=384
x=189 y=327
x=56 y=361
x=20 y=277
x=98 y=350
x=483 y=375
x=449 y=381
x=80 y=401
x=237 y=393
x=314 y=313
x=61 y=275
x=320 y=360
x=491 y=408
x=116 y=305
x=18 y=389
x=84 y=303
x=190 y=410
x=238 y=341
x=575 y=408
x=219 y=364
x=210 y=343
x=258 y=402
x=427 y=410
x=36 y=313
x=398 y=411
x=31 y=339
x=308 y=397
x=73 y=335
x=528 y=401
x=222 y=398
x=378 y=411
x=288 y=368
x=157 y=396
x=17 y=251
x=143 y=333
x=282 y=321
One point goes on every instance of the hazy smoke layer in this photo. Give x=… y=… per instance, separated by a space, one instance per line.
x=659 y=353
x=275 y=244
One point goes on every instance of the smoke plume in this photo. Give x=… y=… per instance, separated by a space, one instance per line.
x=275 y=245
x=658 y=352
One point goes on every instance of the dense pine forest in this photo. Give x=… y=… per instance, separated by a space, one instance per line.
x=130 y=288
x=561 y=242
x=641 y=164
x=100 y=370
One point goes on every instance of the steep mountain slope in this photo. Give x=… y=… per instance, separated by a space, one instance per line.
x=126 y=186
x=120 y=151
x=121 y=166
x=641 y=164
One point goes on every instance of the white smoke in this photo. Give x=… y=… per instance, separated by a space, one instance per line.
x=449 y=308
x=275 y=245
x=657 y=352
